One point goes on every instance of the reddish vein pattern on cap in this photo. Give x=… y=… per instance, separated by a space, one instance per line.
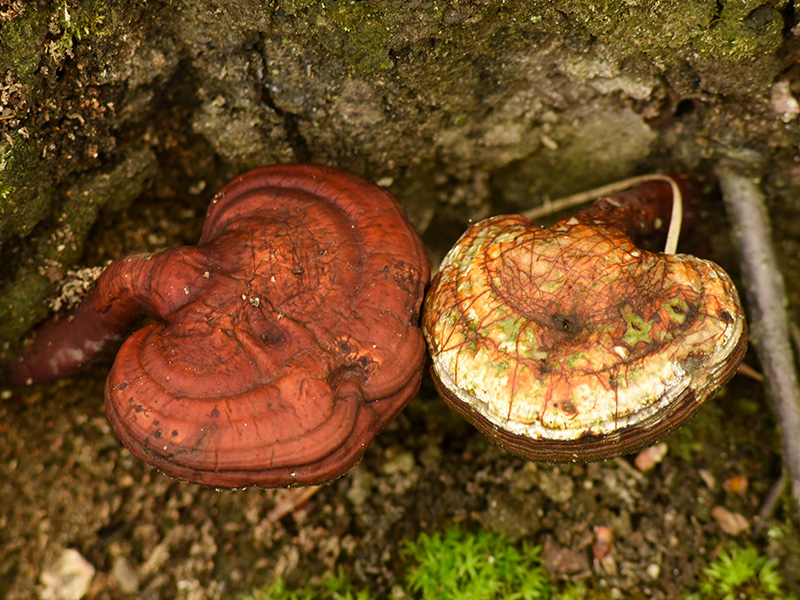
x=570 y=343
x=283 y=342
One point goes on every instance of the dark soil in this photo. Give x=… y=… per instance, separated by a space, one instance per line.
x=67 y=483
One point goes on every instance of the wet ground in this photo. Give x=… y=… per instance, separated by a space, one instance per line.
x=68 y=484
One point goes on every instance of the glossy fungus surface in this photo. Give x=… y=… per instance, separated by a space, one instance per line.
x=570 y=343
x=282 y=343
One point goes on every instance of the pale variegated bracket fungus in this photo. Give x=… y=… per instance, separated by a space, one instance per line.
x=282 y=343
x=569 y=343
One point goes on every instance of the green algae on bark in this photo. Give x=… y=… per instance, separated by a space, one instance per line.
x=60 y=244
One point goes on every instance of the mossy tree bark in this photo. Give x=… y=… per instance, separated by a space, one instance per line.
x=462 y=109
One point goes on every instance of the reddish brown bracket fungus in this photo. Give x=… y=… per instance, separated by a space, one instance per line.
x=284 y=341
x=570 y=343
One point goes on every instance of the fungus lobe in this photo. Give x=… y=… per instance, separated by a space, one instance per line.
x=282 y=343
x=572 y=344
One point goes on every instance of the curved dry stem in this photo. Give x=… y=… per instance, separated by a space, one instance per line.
x=671 y=245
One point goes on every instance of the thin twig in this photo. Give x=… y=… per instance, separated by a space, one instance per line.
x=291 y=501
x=794 y=331
x=548 y=208
x=747 y=211
x=746 y=370
x=769 y=505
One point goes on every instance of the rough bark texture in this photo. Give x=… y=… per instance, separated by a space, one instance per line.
x=462 y=109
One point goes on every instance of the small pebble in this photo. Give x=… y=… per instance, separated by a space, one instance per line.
x=126 y=576
x=732 y=523
x=68 y=578
x=736 y=484
x=648 y=458
x=783 y=101
x=603 y=542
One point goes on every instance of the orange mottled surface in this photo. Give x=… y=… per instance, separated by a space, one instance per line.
x=572 y=331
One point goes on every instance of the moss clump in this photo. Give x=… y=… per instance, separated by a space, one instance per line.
x=17 y=311
x=333 y=587
x=453 y=563
x=356 y=31
x=59 y=245
x=732 y=30
x=25 y=190
x=291 y=7
x=741 y=572
x=648 y=26
x=78 y=21
x=482 y=565
x=740 y=35
x=22 y=42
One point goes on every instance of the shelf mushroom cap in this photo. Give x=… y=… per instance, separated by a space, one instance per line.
x=572 y=344
x=287 y=339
